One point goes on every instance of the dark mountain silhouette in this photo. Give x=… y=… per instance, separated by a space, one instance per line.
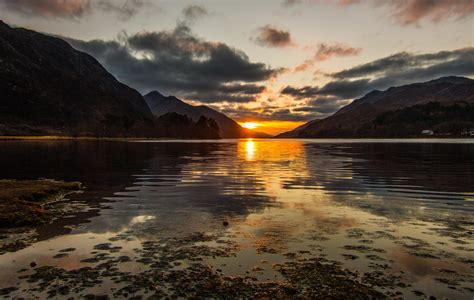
x=49 y=88
x=440 y=105
x=228 y=128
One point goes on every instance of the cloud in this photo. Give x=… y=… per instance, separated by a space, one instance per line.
x=409 y=65
x=67 y=9
x=180 y=63
x=48 y=8
x=271 y=36
x=409 y=12
x=323 y=106
x=235 y=93
x=300 y=93
x=324 y=51
x=124 y=10
x=194 y=12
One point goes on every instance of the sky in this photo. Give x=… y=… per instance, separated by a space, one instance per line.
x=275 y=63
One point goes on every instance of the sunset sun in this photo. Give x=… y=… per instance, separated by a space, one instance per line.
x=250 y=125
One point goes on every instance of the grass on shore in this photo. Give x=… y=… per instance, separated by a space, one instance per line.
x=22 y=202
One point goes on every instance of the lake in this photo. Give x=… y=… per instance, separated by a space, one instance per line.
x=254 y=217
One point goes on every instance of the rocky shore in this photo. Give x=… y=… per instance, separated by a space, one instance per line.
x=26 y=204
x=29 y=202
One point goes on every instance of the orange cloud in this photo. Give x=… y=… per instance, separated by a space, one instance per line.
x=325 y=51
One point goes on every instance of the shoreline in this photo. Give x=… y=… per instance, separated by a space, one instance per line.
x=31 y=202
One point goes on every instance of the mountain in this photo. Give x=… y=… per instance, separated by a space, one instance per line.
x=442 y=106
x=49 y=88
x=228 y=128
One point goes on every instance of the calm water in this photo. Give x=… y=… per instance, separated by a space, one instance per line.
x=404 y=209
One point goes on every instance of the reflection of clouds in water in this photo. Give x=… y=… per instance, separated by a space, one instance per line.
x=425 y=267
x=141 y=219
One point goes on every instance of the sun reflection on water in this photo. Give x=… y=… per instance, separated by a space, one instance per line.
x=249 y=150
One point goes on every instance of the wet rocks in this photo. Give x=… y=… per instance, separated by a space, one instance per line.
x=24 y=202
x=68 y=250
x=107 y=247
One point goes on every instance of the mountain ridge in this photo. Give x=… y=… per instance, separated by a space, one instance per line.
x=228 y=128
x=357 y=119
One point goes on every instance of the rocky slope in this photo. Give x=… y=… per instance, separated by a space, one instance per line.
x=228 y=128
x=439 y=105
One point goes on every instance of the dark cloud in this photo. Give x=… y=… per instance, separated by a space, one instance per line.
x=242 y=88
x=124 y=9
x=194 y=12
x=325 y=51
x=235 y=93
x=301 y=93
x=340 y=89
x=271 y=36
x=177 y=62
x=322 y=106
x=404 y=62
x=345 y=89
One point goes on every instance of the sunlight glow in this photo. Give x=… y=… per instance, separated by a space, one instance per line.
x=250 y=125
x=249 y=150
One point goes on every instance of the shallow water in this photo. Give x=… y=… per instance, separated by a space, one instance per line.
x=399 y=211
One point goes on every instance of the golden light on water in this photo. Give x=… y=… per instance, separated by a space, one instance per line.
x=249 y=150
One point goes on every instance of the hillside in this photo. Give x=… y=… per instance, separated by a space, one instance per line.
x=404 y=111
x=49 y=88
x=228 y=128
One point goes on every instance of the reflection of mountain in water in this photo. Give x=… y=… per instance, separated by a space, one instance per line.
x=394 y=180
x=103 y=167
